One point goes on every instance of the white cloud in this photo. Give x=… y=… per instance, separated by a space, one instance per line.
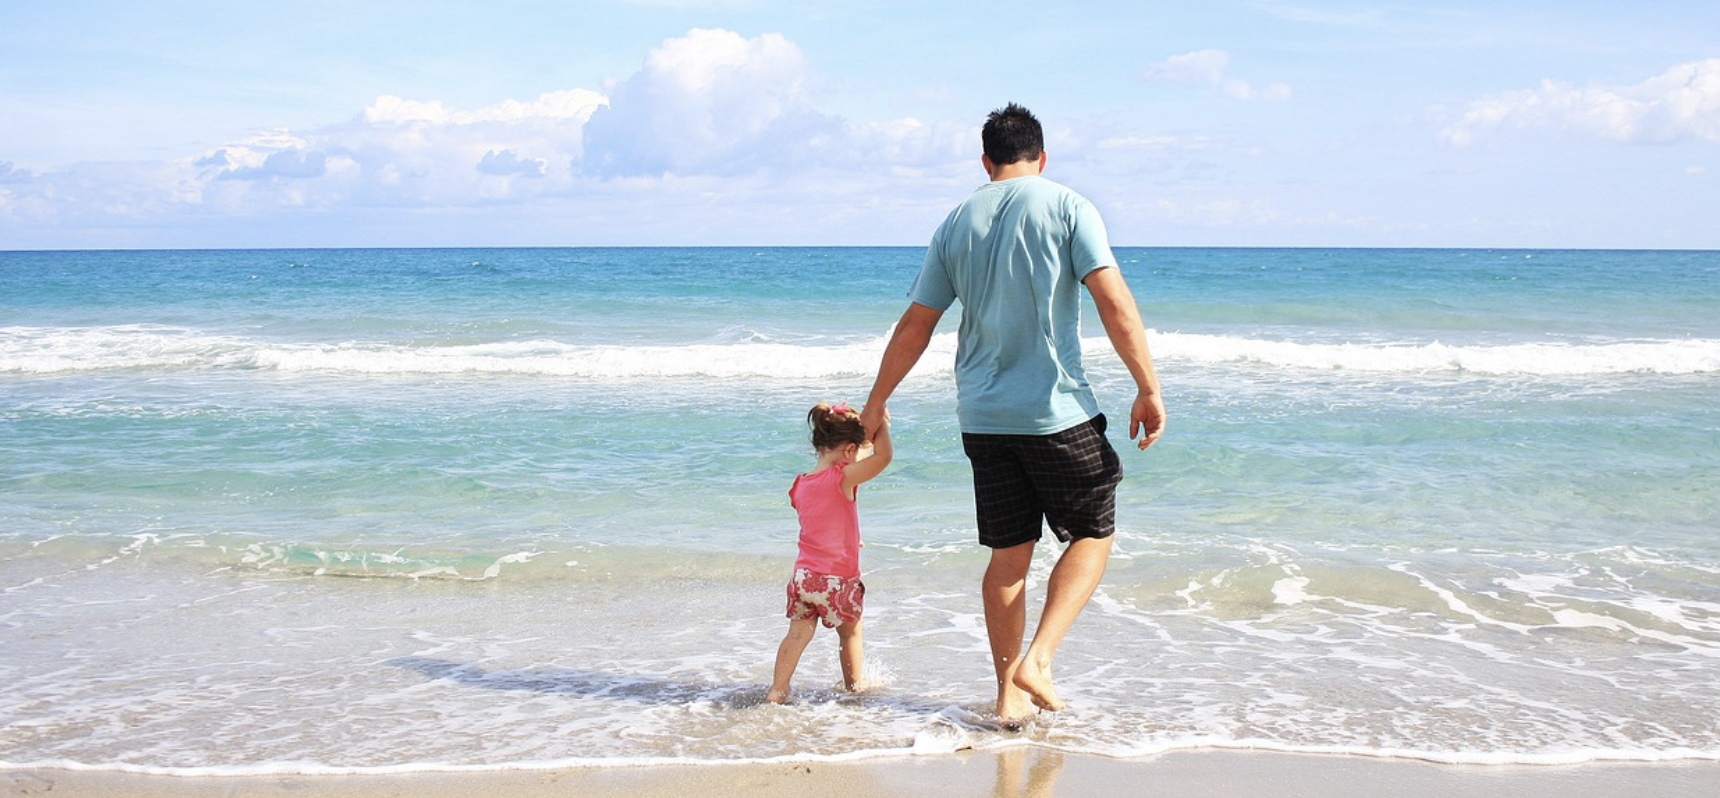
x=1200 y=66
x=573 y=104
x=1219 y=212
x=711 y=109
x=289 y=164
x=710 y=102
x=1212 y=67
x=407 y=153
x=1243 y=90
x=508 y=162
x=1160 y=145
x=389 y=108
x=1680 y=103
x=1141 y=143
x=10 y=174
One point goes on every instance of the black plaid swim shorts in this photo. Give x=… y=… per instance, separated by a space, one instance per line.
x=1067 y=480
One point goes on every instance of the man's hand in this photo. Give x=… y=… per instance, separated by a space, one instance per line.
x=1122 y=320
x=873 y=417
x=1147 y=418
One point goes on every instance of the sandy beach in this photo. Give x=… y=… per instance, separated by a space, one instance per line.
x=1013 y=773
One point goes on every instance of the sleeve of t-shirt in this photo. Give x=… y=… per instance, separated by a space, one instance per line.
x=932 y=287
x=1089 y=244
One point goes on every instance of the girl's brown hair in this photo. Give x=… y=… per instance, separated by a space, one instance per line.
x=835 y=425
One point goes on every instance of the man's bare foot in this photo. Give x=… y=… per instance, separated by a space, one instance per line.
x=1036 y=682
x=1013 y=707
x=777 y=696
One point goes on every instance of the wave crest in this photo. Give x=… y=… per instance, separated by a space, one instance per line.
x=44 y=350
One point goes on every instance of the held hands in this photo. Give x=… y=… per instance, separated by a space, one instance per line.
x=1147 y=418
x=874 y=418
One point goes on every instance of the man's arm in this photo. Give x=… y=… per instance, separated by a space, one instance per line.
x=1122 y=320
x=874 y=457
x=913 y=334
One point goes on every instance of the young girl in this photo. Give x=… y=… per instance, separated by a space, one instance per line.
x=826 y=585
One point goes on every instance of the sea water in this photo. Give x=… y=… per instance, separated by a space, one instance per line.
x=371 y=510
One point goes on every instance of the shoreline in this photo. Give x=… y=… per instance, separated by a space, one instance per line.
x=1017 y=772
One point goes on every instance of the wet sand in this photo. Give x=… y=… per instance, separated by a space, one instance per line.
x=1013 y=773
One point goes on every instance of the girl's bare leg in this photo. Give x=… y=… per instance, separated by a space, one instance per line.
x=788 y=656
x=853 y=655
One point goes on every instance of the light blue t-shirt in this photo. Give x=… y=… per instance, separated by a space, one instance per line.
x=1014 y=253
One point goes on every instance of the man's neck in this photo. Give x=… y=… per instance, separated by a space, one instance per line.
x=1010 y=171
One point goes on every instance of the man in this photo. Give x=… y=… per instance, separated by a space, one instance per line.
x=1014 y=253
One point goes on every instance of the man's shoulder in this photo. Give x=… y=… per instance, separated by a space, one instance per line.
x=1046 y=184
x=1037 y=187
x=1054 y=194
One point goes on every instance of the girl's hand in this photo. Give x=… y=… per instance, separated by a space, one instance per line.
x=874 y=418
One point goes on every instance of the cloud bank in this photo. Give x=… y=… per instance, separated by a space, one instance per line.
x=1679 y=104
x=707 y=107
x=714 y=137
x=710 y=103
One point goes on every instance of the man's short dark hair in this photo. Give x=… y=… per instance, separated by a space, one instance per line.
x=1011 y=134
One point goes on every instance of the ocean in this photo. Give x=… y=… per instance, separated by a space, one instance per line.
x=312 y=511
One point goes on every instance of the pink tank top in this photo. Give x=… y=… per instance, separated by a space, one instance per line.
x=829 y=524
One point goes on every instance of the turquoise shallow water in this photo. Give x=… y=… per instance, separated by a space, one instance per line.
x=374 y=509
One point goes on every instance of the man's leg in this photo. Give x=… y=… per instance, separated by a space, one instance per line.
x=1072 y=583
x=1004 y=590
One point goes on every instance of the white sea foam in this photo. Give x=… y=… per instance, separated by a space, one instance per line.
x=454 y=675
x=42 y=350
x=35 y=350
x=49 y=350
x=1685 y=356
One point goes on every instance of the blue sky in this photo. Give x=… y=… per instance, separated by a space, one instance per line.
x=185 y=123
